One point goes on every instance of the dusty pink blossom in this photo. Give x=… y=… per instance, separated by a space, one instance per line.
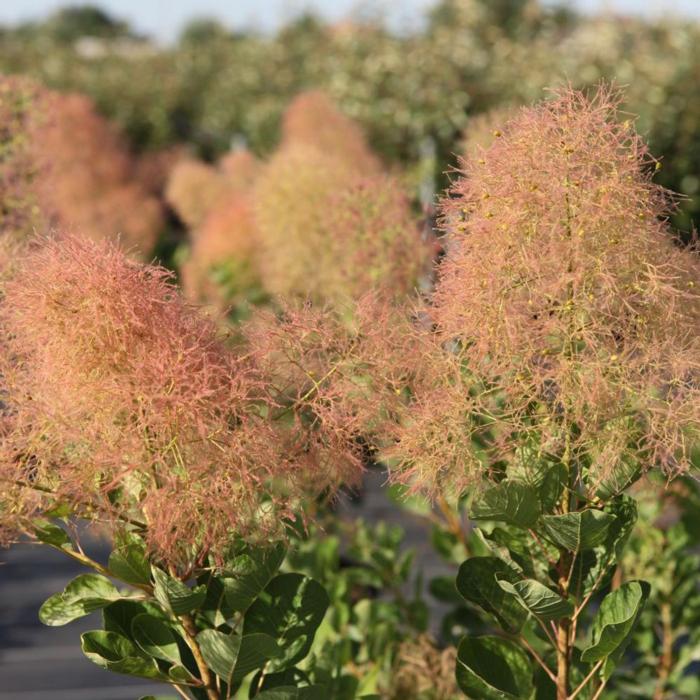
x=223 y=266
x=566 y=317
x=343 y=370
x=313 y=120
x=194 y=188
x=332 y=234
x=123 y=401
x=67 y=167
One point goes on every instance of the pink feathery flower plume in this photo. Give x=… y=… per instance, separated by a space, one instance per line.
x=331 y=225
x=566 y=317
x=123 y=401
x=312 y=119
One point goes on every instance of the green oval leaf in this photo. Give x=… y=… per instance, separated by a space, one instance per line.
x=289 y=610
x=83 y=595
x=493 y=668
x=476 y=583
x=538 y=599
x=615 y=620
x=577 y=531
x=511 y=502
x=623 y=474
x=129 y=563
x=249 y=573
x=220 y=651
x=50 y=533
x=117 y=654
x=256 y=650
x=155 y=638
x=174 y=595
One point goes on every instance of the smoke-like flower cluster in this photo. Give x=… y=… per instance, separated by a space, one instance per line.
x=74 y=170
x=195 y=189
x=566 y=318
x=313 y=120
x=343 y=370
x=20 y=214
x=332 y=236
x=222 y=268
x=331 y=225
x=124 y=402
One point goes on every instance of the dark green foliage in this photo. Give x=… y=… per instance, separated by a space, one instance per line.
x=238 y=621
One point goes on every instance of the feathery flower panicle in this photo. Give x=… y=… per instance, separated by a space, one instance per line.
x=342 y=370
x=571 y=315
x=87 y=184
x=223 y=265
x=332 y=234
x=332 y=226
x=481 y=130
x=20 y=214
x=289 y=199
x=241 y=169
x=313 y=120
x=67 y=167
x=122 y=400
x=374 y=240
x=193 y=190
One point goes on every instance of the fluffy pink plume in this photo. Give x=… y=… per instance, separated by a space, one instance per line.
x=312 y=119
x=566 y=317
x=124 y=402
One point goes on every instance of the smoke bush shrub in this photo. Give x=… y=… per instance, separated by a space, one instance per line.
x=222 y=268
x=193 y=189
x=124 y=408
x=223 y=263
x=332 y=225
x=571 y=321
x=330 y=233
x=83 y=174
x=555 y=363
x=313 y=120
x=241 y=168
x=123 y=402
x=20 y=213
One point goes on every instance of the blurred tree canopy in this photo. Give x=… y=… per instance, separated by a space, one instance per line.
x=214 y=85
x=75 y=22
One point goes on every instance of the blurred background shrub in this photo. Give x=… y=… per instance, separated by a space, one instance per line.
x=214 y=85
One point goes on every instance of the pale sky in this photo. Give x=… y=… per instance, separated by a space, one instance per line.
x=164 y=18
